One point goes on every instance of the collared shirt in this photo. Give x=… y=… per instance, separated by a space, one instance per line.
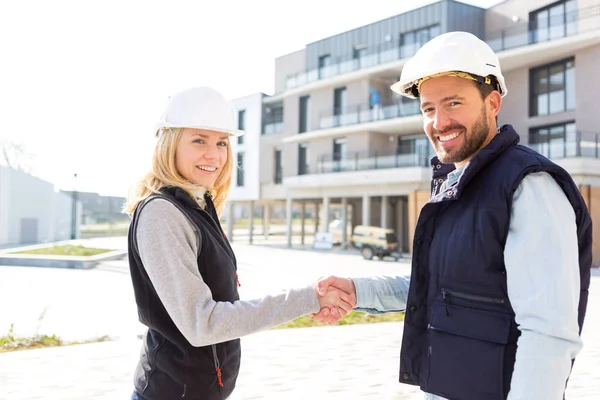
x=541 y=258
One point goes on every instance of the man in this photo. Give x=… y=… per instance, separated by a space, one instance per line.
x=502 y=250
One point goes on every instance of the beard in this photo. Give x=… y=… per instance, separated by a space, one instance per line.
x=473 y=140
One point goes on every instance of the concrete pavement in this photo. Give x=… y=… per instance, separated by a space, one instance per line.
x=359 y=361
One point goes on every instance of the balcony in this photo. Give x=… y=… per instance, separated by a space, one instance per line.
x=372 y=159
x=519 y=35
x=365 y=168
x=363 y=113
x=558 y=26
x=566 y=144
x=272 y=128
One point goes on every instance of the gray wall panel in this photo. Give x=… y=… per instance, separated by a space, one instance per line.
x=449 y=14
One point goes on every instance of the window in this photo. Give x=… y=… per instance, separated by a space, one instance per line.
x=324 y=63
x=339 y=101
x=553 y=88
x=358 y=53
x=241 y=124
x=339 y=154
x=278 y=167
x=410 y=42
x=240 y=169
x=554 y=21
x=340 y=106
x=555 y=141
x=304 y=115
x=303 y=165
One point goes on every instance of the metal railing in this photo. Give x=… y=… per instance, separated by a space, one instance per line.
x=371 y=159
x=362 y=113
x=517 y=35
x=272 y=128
x=575 y=144
x=559 y=26
x=569 y=144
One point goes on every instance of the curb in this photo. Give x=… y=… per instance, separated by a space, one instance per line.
x=51 y=261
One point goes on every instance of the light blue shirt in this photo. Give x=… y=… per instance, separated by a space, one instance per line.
x=542 y=271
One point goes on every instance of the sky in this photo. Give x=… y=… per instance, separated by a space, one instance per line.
x=82 y=82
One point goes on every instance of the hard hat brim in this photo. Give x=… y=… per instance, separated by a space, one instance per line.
x=231 y=132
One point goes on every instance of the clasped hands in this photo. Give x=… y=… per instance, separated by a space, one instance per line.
x=337 y=297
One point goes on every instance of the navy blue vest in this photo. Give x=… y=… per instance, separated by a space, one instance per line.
x=169 y=366
x=460 y=332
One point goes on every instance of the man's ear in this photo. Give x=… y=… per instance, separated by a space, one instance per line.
x=493 y=103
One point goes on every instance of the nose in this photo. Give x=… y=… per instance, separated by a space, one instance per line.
x=441 y=120
x=212 y=152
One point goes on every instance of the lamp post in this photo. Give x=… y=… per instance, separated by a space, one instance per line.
x=74 y=197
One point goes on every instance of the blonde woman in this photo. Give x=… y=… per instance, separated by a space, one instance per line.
x=182 y=267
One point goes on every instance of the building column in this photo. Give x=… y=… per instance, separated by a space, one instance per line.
x=316 y=217
x=344 y=223
x=326 y=214
x=366 y=210
x=251 y=222
x=288 y=217
x=384 y=211
x=303 y=219
x=266 y=220
x=230 y=221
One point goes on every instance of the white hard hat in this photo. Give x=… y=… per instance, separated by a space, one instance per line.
x=201 y=108
x=460 y=54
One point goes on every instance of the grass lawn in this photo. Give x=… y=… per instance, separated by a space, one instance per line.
x=66 y=250
x=354 y=317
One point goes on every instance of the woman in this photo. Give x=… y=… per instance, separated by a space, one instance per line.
x=182 y=267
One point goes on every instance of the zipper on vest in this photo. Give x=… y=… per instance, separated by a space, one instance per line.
x=217 y=366
x=466 y=296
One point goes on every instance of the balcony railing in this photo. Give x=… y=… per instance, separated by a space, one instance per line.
x=517 y=35
x=559 y=26
x=576 y=144
x=372 y=159
x=362 y=113
x=271 y=128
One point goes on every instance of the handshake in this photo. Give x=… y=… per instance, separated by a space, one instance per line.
x=337 y=297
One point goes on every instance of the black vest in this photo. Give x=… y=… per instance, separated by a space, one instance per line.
x=169 y=367
x=460 y=332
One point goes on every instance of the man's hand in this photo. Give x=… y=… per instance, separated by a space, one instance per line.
x=331 y=315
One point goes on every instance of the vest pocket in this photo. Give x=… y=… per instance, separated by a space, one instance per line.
x=466 y=352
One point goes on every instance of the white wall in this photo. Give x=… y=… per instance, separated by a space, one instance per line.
x=23 y=196
x=250 y=147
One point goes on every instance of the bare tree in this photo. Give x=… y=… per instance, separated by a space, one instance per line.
x=15 y=156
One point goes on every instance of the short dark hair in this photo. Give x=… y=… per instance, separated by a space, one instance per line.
x=485 y=89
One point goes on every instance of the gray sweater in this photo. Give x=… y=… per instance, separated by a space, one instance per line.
x=168 y=245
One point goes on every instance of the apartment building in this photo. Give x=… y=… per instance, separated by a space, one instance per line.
x=334 y=133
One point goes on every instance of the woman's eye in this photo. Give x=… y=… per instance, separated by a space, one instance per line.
x=224 y=144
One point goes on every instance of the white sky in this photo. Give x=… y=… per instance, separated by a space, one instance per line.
x=82 y=82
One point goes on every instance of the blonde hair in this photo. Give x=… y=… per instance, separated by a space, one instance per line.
x=164 y=173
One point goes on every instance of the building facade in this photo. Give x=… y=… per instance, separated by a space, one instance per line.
x=336 y=137
x=32 y=211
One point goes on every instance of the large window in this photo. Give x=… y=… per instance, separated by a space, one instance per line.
x=410 y=42
x=240 y=169
x=303 y=164
x=304 y=116
x=553 y=88
x=554 y=21
x=555 y=141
